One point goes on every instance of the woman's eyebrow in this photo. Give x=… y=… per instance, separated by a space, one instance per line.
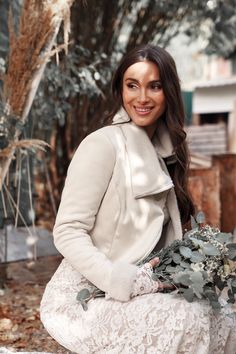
x=135 y=80
x=131 y=79
x=155 y=81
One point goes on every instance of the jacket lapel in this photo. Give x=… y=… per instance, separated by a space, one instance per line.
x=162 y=142
x=145 y=156
x=147 y=176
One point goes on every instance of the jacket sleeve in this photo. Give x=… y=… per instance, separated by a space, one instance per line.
x=87 y=180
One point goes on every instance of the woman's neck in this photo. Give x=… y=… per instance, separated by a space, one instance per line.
x=150 y=129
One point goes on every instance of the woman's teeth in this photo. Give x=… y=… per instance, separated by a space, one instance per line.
x=142 y=109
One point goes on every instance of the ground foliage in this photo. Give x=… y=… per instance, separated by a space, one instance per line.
x=20 y=325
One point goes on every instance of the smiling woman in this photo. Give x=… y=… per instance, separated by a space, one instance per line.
x=143 y=96
x=125 y=196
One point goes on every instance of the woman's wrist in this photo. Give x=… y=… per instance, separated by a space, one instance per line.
x=143 y=282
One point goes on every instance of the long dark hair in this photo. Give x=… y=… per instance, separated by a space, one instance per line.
x=173 y=116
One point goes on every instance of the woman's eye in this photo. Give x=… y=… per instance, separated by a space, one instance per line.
x=131 y=85
x=156 y=86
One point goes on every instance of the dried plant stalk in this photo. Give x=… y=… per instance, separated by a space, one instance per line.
x=24 y=60
x=29 y=53
x=39 y=24
x=28 y=144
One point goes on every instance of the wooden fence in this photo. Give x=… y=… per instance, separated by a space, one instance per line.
x=207 y=139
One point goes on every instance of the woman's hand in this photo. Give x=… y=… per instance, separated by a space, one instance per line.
x=144 y=284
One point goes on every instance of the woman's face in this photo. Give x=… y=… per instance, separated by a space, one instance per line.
x=142 y=95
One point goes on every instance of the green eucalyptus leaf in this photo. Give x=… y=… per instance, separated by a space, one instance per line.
x=194 y=224
x=232 y=255
x=200 y=218
x=84 y=305
x=189 y=234
x=197 y=292
x=182 y=278
x=232 y=251
x=197 y=283
x=188 y=294
x=184 y=264
x=196 y=242
x=197 y=277
x=179 y=268
x=159 y=268
x=176 y=258
x=168 y=260
x=231 y=246
x=197 y=257
x=223 y=237
x=211 y=295
x=83 y=294
x=185 y=251
x=170 y=269
x=205 y=276
x=210 y=250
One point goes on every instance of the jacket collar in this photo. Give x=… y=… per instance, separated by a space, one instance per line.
x=161 y=140
x=121 y=117
x=147 y=174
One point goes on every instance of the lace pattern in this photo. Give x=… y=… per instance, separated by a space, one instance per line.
x=143 y=283
x=149 y=324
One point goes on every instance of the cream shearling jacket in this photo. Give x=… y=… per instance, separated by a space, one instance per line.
x=111 y=211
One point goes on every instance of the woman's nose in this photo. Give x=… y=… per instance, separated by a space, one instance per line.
x=143 y=97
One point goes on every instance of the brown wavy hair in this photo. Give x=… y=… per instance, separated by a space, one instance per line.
x=173 y=115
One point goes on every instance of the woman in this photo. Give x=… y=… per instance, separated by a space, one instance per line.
x=119 y=204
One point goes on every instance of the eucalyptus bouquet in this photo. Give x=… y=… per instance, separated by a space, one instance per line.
x=200 y=266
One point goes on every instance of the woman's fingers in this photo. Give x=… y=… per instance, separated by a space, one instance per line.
x=157 y=283
x=167 y=286
x=154 y=262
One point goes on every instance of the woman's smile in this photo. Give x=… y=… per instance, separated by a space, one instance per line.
x=143 y=110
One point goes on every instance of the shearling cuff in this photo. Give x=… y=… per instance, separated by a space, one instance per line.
x=121 y=281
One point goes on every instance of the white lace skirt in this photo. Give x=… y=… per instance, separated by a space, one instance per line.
x=148 y=324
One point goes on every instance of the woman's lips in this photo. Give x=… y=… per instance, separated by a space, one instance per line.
x=143 y=110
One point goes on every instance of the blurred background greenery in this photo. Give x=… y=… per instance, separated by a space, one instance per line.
x=74 y=97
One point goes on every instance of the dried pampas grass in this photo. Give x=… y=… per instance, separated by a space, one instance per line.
x=8 y=154
x=30 y=50
x=27 y=144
